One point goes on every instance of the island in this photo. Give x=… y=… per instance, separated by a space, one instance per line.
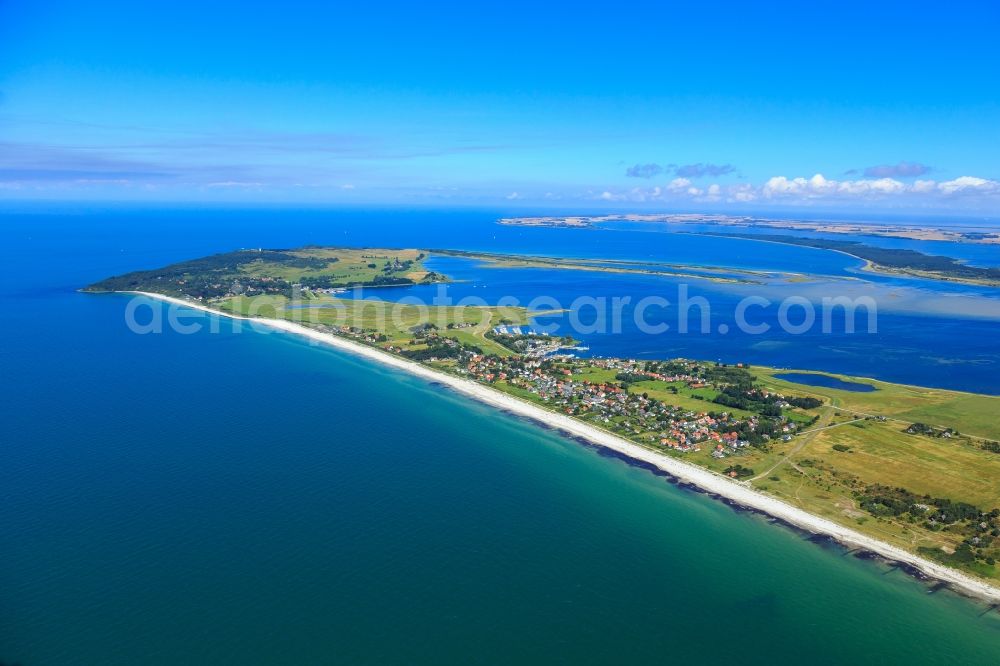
x=887 y=261
x=907 y=473
x=984 y=235
x=662 y=269
x=892 y=261
x=256 y=272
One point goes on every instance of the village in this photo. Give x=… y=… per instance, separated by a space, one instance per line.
x=609 y=392
x=562 y=384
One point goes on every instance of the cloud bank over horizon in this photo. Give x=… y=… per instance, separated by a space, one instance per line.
x=178 y=170
x=818 y=189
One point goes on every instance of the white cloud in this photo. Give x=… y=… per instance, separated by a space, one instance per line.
x=969 y=185
x=781 y=186
x=870 y=187
x=512 y=196
x=819 y=187
x=679 y=184
x=887 y=186
x=804 y=190
x=744 y=192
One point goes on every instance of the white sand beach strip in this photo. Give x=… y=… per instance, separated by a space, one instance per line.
x=702 y=478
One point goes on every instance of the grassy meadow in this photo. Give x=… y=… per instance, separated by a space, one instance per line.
x=397 y=321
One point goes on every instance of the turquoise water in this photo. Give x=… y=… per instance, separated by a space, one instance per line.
x=248 y=498
x=825 y=380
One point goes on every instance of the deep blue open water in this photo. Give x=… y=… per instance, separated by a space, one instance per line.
x=248 y=498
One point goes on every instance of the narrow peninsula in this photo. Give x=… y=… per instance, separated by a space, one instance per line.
x=909 y=473
x=889 y=261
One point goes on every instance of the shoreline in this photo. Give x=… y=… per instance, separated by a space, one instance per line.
x=731 y=492
x=868 y=266
x=910 y=231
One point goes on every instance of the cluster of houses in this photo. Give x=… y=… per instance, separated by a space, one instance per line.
x=524 y=340
x=515 y=330
x=251 y=286
x=563 y=384
x=613 y=406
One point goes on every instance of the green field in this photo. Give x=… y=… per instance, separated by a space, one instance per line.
x=345 y=266
x=394 y=320
x=685 y=396
x=876 y=450
x=969 y=413
x=264 y=272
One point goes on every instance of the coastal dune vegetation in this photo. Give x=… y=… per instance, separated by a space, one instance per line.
x=255 y=272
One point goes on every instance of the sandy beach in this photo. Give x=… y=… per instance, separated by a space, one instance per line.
x=685 y=472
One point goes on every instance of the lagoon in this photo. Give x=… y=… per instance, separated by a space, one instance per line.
x=810 y=379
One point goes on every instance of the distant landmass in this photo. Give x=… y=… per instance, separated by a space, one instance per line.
x=880 y=259
x=893 y=260
x=982 y=235
x=258 y=272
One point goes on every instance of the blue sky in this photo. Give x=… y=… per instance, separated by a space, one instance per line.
x=696 y=105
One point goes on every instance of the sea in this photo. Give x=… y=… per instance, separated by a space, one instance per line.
x=240 y=497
